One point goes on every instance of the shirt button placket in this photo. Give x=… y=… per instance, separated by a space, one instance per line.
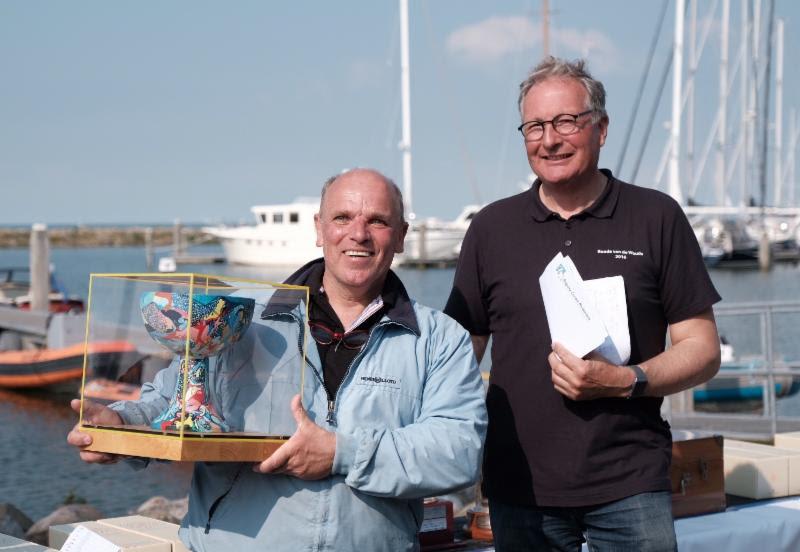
x=567 y=227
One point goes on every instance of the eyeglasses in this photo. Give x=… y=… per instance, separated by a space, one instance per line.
x=323 y=335
x=565 y=124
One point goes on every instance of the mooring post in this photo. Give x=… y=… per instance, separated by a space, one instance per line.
x=39 y=268
x=148 y=248
x=177 y=239
x=764 y=252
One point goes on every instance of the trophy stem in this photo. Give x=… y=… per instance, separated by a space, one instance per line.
x=200 y=415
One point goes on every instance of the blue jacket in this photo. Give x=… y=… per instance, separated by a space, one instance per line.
x=409 y=420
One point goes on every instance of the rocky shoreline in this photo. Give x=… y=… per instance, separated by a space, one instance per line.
x=110 y=236
x=15 y=523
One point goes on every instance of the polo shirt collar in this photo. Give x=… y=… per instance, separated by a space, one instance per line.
x=603 y=207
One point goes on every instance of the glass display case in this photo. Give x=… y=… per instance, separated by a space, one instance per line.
x=218 y=362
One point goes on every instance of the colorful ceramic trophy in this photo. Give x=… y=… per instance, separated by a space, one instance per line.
x=217 y=321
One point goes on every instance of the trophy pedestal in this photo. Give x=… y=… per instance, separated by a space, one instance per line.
x=129 y=440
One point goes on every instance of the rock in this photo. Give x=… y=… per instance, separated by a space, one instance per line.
x=12 y=521
x=162 y=508
x=70 y=513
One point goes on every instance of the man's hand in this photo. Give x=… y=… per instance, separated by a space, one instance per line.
x=593 y=378
x=93 y=413
x=308 y=454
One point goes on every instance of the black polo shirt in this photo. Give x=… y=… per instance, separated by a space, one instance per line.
x=543 y=448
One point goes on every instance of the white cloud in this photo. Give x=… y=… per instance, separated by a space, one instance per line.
x=493 y=38
x=500 y=36
x=591 y=44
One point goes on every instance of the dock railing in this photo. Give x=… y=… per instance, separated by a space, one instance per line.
x=769 y=333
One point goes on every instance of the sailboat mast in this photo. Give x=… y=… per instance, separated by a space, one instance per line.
x=777 y=170
x=405 y=93
x=677 y=93
x=723 y=105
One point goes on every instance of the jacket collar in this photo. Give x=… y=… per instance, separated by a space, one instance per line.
x=399 y=308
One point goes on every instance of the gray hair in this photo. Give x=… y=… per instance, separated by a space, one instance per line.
x=396 y=193
x=553 y=67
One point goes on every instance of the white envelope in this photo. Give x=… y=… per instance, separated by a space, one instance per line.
x=571 y=312
x=609 y=300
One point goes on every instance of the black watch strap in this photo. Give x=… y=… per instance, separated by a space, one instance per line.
x=639 y=383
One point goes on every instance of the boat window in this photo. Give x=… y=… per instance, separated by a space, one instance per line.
x=263 y=217
x=294 y=217
x=277 y=218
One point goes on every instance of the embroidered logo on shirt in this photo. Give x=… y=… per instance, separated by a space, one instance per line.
x=620 y=253
x=388 y=381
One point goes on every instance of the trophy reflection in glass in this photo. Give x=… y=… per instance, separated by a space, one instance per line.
x=217 y=321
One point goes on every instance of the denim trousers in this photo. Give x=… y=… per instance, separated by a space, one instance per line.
x=638 y=523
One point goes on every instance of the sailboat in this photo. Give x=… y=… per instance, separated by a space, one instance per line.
x=283 y=235
x=430 y=241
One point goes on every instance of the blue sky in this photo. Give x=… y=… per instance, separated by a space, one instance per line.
x=122 y=112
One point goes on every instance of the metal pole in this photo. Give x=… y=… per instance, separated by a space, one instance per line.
x=545 y=28
x=745 y=88
x=677 y=87
x=689 y=172
x=723 y=104
x=405 y=90
x=777 y=169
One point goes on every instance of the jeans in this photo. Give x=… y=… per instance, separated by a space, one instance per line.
x=640 y=523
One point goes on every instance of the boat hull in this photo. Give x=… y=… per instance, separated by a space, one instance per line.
x=46 y=367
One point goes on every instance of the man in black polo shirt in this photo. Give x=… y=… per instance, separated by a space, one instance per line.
x=576 y=448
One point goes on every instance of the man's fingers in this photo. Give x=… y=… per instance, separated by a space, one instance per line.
x=563 y=353
x=78 y=438
x=75 y=404
x=276 y=462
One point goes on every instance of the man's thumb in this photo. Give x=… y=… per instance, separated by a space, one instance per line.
x=298 y=411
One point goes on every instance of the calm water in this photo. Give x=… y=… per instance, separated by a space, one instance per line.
x=40 y=469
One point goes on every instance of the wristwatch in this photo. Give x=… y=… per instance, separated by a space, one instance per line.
x=639 y=383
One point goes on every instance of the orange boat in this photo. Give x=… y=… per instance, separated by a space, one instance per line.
x=43 y=367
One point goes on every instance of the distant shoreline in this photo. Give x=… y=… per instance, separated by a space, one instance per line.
x=110 y=236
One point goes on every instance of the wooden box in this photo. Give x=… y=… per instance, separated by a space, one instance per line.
x=697 y=476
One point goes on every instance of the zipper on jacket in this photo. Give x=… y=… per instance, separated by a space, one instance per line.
x=331 y=419
x=219 y=499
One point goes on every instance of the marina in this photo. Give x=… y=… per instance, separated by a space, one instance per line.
x=49 y=413
x=154 y=131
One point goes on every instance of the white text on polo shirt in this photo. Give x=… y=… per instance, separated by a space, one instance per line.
x=620 y=253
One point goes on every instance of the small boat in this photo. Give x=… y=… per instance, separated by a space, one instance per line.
x=737 y=382
x=46 y=367
x=284 y=235
x=15 y=291
x=434 y=240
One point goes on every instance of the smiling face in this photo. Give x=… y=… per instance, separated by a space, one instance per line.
x=556 y=159
x=359 y=229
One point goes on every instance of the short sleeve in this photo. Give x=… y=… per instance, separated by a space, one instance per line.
x=686 y=287
x=467 y=302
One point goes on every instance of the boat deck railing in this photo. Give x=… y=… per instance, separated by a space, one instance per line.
x=773 y=363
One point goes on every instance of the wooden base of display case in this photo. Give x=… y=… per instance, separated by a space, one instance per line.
x=192 y=447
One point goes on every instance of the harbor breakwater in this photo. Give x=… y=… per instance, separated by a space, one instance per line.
x=108 y=236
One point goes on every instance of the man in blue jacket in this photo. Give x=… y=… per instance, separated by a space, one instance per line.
x=394 y=413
